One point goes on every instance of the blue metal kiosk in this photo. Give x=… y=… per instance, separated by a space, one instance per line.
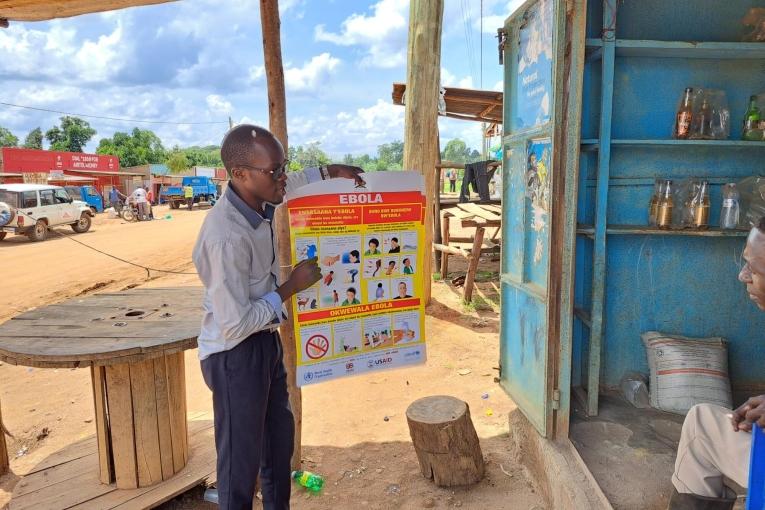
x=591 y=92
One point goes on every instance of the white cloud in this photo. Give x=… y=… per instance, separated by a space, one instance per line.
x=499 y=86
x=98 y=60
x=218 y=105
x=382 y=34
x=257 y=72
x=312 y=75
x=500 y=10
x=450 y=80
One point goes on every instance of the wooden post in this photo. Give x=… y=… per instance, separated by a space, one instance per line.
x=437 y=201
x=445 y=238
x=277 y=123
x=475 y=257
x=421 y=116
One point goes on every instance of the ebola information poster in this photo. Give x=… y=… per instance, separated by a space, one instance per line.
x=366 y=313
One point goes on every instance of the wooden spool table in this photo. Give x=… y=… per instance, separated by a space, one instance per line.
x=133 y=343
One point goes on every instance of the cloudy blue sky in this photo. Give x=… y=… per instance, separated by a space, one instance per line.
x=202 y=60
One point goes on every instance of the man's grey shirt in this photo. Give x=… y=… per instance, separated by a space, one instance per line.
x=235 y=257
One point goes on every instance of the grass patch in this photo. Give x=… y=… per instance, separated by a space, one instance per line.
x=477 y=304
x=486 y=276
x=469 y=307
x=437 y=277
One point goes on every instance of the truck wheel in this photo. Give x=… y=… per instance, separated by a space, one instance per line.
x=39 y=232
x=83 y=225
x=94 y=210
x=2 y=235
x=174 y=205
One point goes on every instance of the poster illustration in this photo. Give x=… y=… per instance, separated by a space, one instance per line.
x=533 y=91
x=366 y=313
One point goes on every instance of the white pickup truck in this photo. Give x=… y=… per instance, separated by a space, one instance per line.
x=32 y=209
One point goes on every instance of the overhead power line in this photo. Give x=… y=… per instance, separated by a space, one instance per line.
x=120 y=119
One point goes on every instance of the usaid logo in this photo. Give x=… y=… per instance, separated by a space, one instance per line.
x=349 y=367
x=376 y=363
x=308 y=376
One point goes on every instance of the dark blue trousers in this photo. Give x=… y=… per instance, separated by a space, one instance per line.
x=254 y=426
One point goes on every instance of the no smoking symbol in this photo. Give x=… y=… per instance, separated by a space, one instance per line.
x=317 y=346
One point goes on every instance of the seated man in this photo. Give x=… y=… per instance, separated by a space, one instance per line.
x=715 y=442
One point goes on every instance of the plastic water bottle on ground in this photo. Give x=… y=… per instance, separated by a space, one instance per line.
x=310 y=481
x=211 y=495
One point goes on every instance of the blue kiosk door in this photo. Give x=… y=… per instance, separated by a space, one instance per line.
x=531 y=55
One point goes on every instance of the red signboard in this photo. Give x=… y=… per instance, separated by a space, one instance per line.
x=34 y=160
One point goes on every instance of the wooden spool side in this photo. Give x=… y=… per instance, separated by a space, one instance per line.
x=445 y=441
x=147 y=432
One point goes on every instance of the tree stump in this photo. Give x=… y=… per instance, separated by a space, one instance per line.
x=445 y=441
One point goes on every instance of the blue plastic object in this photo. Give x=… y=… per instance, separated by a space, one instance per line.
x=755 y=499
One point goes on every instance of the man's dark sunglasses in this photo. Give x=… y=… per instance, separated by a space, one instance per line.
x=276 y=173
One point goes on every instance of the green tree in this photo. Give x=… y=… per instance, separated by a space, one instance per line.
x=34 y=139
x=8 y=139
x=456 y=151
x=390 y=156
x=309 y=156
x=203 y=156
x=140 y=147
x=177 y=161
x=72 y=135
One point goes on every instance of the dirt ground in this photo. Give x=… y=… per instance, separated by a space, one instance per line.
x=368 y=461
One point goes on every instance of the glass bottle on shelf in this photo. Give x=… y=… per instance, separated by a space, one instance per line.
x=653 y=204
x=700 y=206
x=751 y=130
x=684 y=116
x=702 y=122
x=729 y=214
x=666 y=205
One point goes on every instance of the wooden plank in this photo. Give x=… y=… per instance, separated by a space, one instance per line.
x=480 y=211
x=88 y=447
x=163 y=417
x=174 y=364
x=75 y=484
x=56 y=475
x=201 y=468
x=83 y=487
x=83 y=448
x=105 y=469
x=450 y=250
x=120 y=403
x=480 y=222
x=138 y=330
x=473 y=265
x=459 y=213
x=445 y=237
x=147 y=450
x=84 y=361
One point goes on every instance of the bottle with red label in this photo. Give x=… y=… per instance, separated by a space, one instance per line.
x=684 y=116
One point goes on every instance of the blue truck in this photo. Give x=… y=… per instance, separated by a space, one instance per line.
x=204 y=190
x=89 y=195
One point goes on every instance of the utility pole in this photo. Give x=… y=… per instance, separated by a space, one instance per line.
x=423 y=75
x=277 y=124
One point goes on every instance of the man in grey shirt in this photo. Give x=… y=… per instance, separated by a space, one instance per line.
x=239 y=346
